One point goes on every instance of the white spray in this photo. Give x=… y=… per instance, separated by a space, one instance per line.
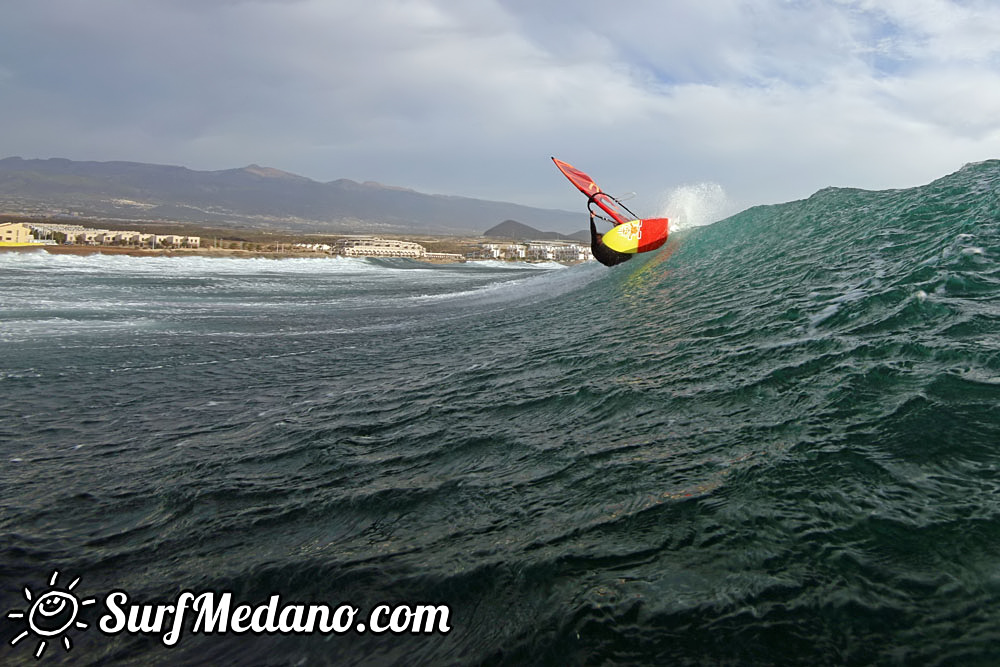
x=695 y=205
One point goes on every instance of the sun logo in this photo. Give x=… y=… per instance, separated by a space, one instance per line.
x=632 y=231
x=51 y=614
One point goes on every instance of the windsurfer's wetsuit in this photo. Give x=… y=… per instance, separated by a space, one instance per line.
x=603 y=253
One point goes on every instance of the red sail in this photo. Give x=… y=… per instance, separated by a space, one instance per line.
x=587 y=186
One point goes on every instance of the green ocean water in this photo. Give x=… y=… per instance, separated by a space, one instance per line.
x=775 y=441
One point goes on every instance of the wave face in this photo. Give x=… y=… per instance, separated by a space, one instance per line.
x=776 y=441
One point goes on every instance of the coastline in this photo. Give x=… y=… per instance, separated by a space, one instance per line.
x=224 y=253
x=186 y=241
x=174 y=252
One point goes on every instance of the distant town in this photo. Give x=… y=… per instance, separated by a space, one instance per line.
x=50 y=235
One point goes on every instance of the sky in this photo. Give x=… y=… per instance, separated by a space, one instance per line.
x=714 y=105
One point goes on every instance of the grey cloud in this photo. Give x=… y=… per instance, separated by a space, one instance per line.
x=770 y=99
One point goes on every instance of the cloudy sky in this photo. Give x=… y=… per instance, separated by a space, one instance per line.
x=750 y=101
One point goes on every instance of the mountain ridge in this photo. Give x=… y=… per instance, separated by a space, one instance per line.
x=514 y=230
x=254 y=196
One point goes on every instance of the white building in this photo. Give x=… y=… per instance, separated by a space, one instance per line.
x=551 y=251
x=49 y=230
x=175 y=241
x=511 y=251
x=91 y=236
x=539 y=251
x=372 y=246
x=316 y=247
x=126 y=238
x=572 y=253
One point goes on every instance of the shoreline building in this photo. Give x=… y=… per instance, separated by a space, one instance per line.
x=80 y=235
x=16 y=234
x=506 y=251
x=373 y=246
x=551 y=251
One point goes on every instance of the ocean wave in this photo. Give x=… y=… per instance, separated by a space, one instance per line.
x=772 y=441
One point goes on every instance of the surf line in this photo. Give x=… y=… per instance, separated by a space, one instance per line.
x=215 y=614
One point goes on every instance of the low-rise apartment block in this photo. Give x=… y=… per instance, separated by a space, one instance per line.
x=373 y=246
x=77 y=234
x=553 y=251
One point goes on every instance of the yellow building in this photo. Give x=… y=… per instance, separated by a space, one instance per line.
x=15 y=234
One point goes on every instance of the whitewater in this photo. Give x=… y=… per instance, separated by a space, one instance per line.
x=774 y=441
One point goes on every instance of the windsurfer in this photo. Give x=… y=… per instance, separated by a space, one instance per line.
x=629 y=234
x=603 y=253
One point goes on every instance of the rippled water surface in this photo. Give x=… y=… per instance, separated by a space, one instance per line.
x=776 y=441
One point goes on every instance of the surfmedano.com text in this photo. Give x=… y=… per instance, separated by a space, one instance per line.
x=214 y=613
